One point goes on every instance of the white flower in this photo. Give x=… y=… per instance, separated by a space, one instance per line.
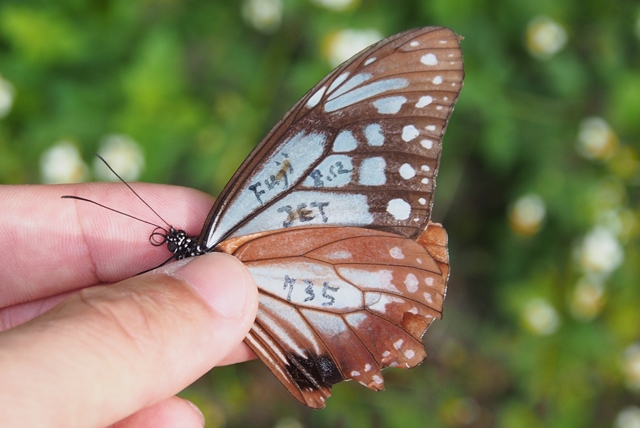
x=596 y=139
x=600 y=252
x=629 y=417
x=7 y=95
x=545 y=37
x=337 y=5
x=344 y=44
x=62 y=164
x=631 y=367
x=526 y=214
x=263 y=15
x=622 y=222
x=123 y=155
x=540 y=317
x=587 y=298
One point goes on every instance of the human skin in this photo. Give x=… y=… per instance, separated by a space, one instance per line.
x=86 y=342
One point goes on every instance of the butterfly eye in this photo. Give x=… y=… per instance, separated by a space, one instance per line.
x=331 y=214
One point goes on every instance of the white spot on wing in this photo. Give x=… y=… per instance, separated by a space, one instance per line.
x=430 y=127
x=424 y=101
x=376 y=379
x=385 y=354
x=427 y=144
x=378 y=302
x=374 y=135
x=425 y=181
x=338 y=81
x=337 y=100
x=429 y=59
x=372 y=172
x=370 y=280
x=335 y=171
x=370 y=60
x=340 y=255
x=411 y=281
x=428 y=298
x=345 y=142
x=429 y=281
x=409 y=354
x=372 y=299
x=399 y=209
x=355 y=373
x=355 y=319
x=414 y=43
x=326 y=323
x=398 y=344
x=437 y=80
x=422 y=201
x=349 y=84
x=425 y=168
x=396 y=253
x=407 y=171
x=389 y=105
x=315 y=98
x=367 y=367
x=409 y=132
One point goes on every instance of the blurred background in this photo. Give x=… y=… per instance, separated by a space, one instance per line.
x=539 y=186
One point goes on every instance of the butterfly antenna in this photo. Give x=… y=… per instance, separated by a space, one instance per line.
x=109 y=208
x=130 y=188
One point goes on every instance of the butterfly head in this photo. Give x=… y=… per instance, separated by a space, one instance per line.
x=178 y=242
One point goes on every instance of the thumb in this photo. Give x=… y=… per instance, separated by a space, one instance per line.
x=109 y=351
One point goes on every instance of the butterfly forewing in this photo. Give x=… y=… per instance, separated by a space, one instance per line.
x=341 y=303
x=361 y=148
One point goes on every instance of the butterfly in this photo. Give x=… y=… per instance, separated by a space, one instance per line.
x=331 y=215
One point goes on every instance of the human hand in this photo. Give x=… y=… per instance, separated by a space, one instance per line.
x=76 y=351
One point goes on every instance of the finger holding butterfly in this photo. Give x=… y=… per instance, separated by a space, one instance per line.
x=98 y=248
x=52 y=246
x=120 y=352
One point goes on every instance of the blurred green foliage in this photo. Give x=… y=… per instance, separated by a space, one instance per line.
x=540 y=319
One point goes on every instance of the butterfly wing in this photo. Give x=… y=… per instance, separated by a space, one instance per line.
x=342 y=303
x=361 y=148
x=331 y=211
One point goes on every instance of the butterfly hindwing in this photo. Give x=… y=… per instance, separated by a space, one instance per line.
x=361 y=148
x=341 y=303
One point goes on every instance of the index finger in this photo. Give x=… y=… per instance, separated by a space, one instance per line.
x=52 y=245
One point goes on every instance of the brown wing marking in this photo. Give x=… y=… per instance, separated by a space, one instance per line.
x=310 y=347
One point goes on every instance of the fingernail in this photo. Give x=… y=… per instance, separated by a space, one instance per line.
x=219 y=278
x=197 y=409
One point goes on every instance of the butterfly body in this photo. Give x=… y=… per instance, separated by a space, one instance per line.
x=331 y=214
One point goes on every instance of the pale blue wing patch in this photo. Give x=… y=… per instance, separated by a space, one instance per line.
x=354 y=96
x=334 y=171
x=345 y=142
x=284 y=168
x=307 y=208
x=372 y=172
x=305 y=284
x=374 y=135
